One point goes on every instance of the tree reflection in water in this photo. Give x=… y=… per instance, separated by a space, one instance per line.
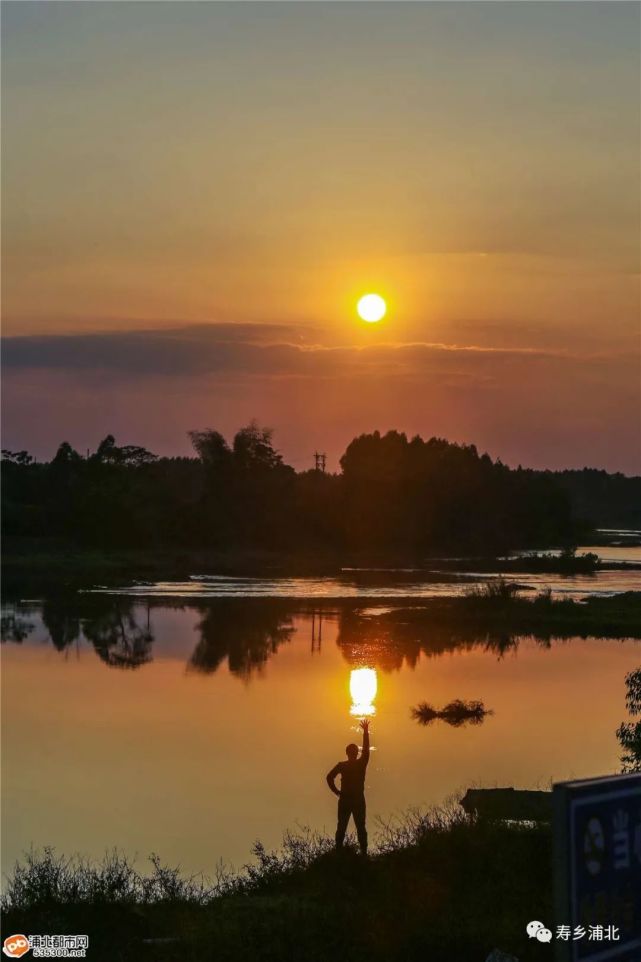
x=390 y=640
x=62 y=622
x=244 y=634
x=14 y=627
x=117 y=637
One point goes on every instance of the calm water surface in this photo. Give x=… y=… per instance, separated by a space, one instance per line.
x=190 y=728
x=395 y=583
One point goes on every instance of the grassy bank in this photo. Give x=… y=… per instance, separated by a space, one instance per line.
x=498 y=609
x=439 y=886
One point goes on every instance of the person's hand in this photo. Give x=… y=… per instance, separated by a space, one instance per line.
x=365 y=724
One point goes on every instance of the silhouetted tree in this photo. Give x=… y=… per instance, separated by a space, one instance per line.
x=629 y=733
x=211 y=447
x=395 y=497
x=16 y=457
x=108 y=452
x=253 y=448
x=66 y=455
x=105 y=450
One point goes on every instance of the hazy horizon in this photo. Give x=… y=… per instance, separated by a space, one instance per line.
x=195 y=195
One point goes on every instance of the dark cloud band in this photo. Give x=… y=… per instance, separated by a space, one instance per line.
x=256 y=349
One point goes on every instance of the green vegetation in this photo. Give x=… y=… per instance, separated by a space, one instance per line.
x=440 y=886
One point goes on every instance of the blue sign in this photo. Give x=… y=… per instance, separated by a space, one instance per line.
x=597 y=838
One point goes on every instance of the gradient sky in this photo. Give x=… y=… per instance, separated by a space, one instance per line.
x=195 y=194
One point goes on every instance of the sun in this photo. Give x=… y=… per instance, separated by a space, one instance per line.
x=371 y=308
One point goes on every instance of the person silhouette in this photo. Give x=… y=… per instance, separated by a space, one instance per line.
x=351 y=797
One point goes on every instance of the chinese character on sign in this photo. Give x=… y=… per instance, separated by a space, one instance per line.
x=621 y=840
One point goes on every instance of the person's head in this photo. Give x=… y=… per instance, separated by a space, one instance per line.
x=352 y=752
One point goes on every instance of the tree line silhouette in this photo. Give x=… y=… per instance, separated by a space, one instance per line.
x=393 y=495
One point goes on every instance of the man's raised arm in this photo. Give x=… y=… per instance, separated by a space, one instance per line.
x=331 y=780
x=365 y=751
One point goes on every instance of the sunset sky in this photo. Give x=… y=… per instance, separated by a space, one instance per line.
x=195 y=196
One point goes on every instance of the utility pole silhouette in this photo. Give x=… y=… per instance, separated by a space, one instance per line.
x=319 y=461
x=317 y=631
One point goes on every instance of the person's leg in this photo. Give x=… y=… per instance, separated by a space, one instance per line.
x=344 y=811
x=359 y=813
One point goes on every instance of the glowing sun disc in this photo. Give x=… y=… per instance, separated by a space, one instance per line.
x=371 y=308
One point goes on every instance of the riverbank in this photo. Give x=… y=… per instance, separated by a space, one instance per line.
x=439 y=886
x=38 y=564
x=498 y=608
x=35 y=565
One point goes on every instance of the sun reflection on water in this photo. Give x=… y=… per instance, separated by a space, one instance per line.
x=362 y=687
